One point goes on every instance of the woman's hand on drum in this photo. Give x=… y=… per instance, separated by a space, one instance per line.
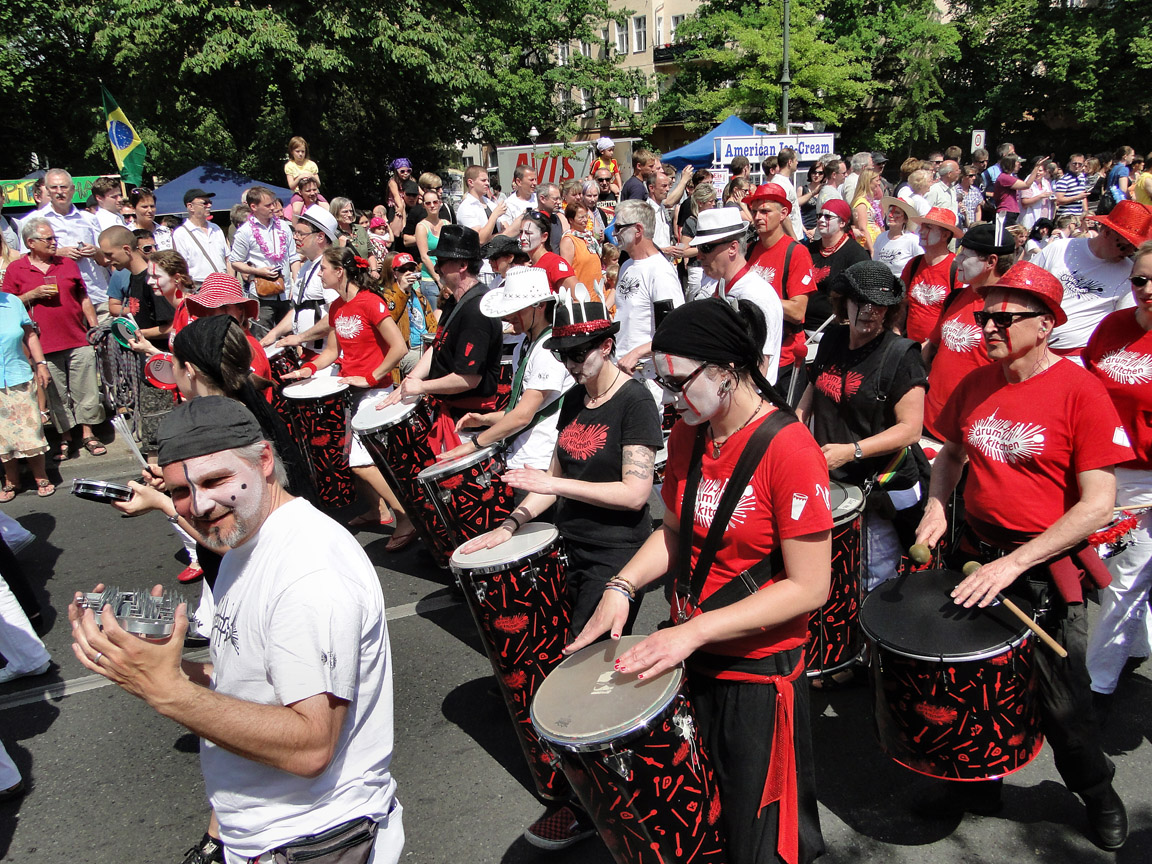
x=288 y=341
x=610 y=617
x=408 y=390
x=981 y=588
x=466 y=448
x=487 y=541
x=838 y=454
x=662 y=650
x=530 y=480
x=297 y=375
x=144 y=500
x=471 y=420
x=932 y=525
x=354 y=381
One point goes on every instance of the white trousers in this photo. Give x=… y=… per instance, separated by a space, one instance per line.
x=19 y=643
x=9 y=773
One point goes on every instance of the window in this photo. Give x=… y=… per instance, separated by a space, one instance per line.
x=585 y=97
x=677 y=20
x=621 y=39
x=586 y=49
x=640 y=34
x=659 y=30
x=563 y=54
x=622 y=101
x=639 y=103
x=565 y=96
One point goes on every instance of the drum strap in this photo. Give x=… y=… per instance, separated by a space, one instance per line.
x=751 y=580
x=518 y=385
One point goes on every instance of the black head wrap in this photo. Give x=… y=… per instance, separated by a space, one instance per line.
x=201 y=343
x=711 y=331
x=210 y=424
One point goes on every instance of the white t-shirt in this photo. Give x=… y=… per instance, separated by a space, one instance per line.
x=471 y=213
x=308 y=287
x=662 y=236
x=298 y=612
x=918 y=202
x=789 y=188
x=108 y=219
x=162 y=234
x=1092 y=289
x=1042 y=209
x=752 y=286
x=72 y=229
x=200 y=267
x=944 y=196
x=514 y=208
x=533 y=447
x=894 y=254
x=639 y=285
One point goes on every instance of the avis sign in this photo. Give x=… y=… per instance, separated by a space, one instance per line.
x=757 y=148
x=557 y=163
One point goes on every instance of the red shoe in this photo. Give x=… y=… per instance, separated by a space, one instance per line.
x=558 y=829
x=191 y=573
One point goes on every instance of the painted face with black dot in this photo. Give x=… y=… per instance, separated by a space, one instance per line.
x=221 y=495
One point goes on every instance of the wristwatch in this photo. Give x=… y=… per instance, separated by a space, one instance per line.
x=859 y=453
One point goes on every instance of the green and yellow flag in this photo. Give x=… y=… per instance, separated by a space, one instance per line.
x=126 y=144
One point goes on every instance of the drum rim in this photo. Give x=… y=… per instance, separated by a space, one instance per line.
x=974 y=656
x=386 y=424
x=487 y=569
x=82 y=484
x=436 y=469
x=850 y=515
x=300 y=385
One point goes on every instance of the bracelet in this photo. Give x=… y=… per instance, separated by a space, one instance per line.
x=620 y=580
x=511 y=517
x=41 y=362
x=174 y=518
x=622 y=585
x=371 y=380
x=311 y=367
x=611 y=587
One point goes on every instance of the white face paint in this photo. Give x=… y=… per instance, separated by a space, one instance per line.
x=530 y=236
x=829 y=227
x=971 y=267
x=222 y=495
x=930 y=235
x=701 y=400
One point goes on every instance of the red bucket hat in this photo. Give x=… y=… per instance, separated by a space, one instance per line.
x=220 y=289
x=770 y=192
x=1034 y=280
x=941 y=217
x=1130 y=219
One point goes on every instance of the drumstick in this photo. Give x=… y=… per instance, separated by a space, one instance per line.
x=121 y=426
x=816 y=332
x=972 y=566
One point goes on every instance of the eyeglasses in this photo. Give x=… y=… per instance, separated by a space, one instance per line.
x=709 y=248
x=51 y=239
x=679 y=386
x=574 y=355
x=297 y=233
x=1003 y=320
x=147 y=249
x=1140 y=281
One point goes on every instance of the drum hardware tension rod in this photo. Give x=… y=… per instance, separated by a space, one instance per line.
x=972 y=566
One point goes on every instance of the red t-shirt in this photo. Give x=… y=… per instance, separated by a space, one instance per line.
x=1119 y=353
x=260 y=364
x=357 y=323
x=960 y=348
x=769 y=263
x=1027 y=442
x=557 y=269
x=787 y=497
x=60 y=319
x=926 y=293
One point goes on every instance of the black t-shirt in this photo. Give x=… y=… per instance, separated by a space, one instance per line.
x=825 y=270
x=847 y=402
x=591 y=447
x=147 y=306
x=634 y=189
x=469 y=343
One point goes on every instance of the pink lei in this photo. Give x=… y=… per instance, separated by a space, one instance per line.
x=278 y=236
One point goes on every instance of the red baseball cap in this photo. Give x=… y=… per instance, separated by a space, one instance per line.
x=770 y=192
x=1035 y=280
x=400 y=259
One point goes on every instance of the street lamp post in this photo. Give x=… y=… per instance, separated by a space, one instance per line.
x=785 y=78
x=533 y=133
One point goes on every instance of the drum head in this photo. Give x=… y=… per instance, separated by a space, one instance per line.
x=529 y=540
x=122 y=330
x=315 y=388
x=585 y=705
x=369 y=417
x=447 y=469
x=101 y=490
x=845 y=500
x=159 y=371
x=915 y=616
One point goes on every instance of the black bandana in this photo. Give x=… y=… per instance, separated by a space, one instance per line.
x=711 y=331
x=210 y=424
x=201 y=343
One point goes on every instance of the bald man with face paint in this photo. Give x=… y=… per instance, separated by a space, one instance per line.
x=294 y=711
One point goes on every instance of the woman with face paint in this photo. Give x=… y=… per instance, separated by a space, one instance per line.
x=742 y=649
x=599 y=481
x=534 y=232
x=865 y=407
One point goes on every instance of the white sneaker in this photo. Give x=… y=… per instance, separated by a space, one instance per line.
x=9 y=674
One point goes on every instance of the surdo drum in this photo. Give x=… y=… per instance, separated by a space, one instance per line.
x=468 y=493
x=318 y=418
x=633 y=753
x=834 y=629
x=954 y=689
x=518 y=597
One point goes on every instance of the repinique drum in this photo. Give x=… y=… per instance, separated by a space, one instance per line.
x=834 y=628
x=397 y=439
x=468 y=493
x=517 y=595
x=103 y=491
x=282 y=360
x=931 y=448
x=319 y=422
x=632 y=751
x=159 y=371
x=954 y=689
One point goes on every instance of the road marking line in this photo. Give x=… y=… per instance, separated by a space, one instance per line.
x=58 y=690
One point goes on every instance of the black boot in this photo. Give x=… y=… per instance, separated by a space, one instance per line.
x=1106 y=817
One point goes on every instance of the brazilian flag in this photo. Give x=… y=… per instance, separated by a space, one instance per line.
x=126 y=144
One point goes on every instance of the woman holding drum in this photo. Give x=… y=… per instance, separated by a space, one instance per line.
x=369 y=345
x=743 y=648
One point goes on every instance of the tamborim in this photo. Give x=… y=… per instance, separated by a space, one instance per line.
x=101 y=490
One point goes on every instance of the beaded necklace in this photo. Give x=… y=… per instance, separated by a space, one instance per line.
x=280 y=239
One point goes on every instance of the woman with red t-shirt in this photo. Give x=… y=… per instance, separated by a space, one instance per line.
x=743 y=652
x=1120 y=355
x=369 y=346
x=534 y=234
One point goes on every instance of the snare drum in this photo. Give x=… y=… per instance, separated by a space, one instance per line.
x=633 y=752
x=517 y=594
x=954 y=689
x=468 y=493
x=319 y=422
x=397 y=439
x=834 y=627
x=101 y=490
x=281 y=361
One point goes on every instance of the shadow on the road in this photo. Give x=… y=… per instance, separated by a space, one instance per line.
x=21 y=726
x=590 y=851
x=477 y=708
x=1128 y=725
x=39 y=559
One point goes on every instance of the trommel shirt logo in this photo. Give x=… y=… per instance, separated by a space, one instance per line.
x=708 y=499
x=928 y=294
x=1005 y=441
x=349 y=326
x=581 y=441
x=1127 y=367
x=960 y=337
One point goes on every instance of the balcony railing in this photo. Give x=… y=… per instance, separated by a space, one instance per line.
x=671 y=52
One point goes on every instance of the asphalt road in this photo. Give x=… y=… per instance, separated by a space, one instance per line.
x=112 y=782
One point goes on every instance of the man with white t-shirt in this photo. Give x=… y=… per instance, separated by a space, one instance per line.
x=523 y=197
x=646 y=287
x=1094 y=272
x=786 y=163
x=475 y=211
x=263 y=252
x=525 y=301
x=109 y=197
x=721 y=242
x=294 y=711
x=201 y=242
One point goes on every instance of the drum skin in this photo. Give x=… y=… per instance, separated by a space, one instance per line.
x=971 y=715
x=834 y=633
x=320 y=426
x=471 y=498
x=522 y=611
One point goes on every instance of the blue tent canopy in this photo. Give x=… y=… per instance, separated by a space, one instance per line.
x=701 y=151
x=228 y=185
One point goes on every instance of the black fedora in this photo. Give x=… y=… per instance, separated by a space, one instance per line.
x=458 y=243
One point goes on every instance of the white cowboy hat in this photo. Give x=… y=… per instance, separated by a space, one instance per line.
x=522 y=287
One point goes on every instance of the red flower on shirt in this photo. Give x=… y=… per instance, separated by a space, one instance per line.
x=582 y=442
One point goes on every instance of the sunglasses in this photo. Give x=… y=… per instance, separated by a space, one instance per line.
x=408 y=268
x=574 y=356
x=673 y=386
x=709 y=248
x=1003 y=320
x=1140 y=281
x=826 y=216
x=147 y=248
